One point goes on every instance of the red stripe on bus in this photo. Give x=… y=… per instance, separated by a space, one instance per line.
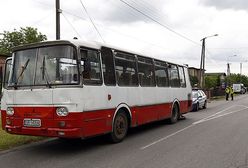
x=3 y=118
x=81 y=124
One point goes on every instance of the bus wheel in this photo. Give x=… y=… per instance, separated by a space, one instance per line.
x=174 y=115
x=120 y=127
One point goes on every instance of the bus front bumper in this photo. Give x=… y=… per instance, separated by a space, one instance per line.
x=48 y=132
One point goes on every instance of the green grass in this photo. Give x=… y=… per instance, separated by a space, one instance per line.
x=218 y=97
x=8 y=141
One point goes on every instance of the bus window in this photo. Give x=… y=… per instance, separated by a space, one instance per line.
x=182 y=76
x=8 y=66
x=125 y=68
x=146 y=72
x=174 y=77
x=24 y=68
x=90 y=66
x=108 y=66
x=161 y=74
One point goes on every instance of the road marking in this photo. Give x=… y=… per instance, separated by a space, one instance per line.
x=218 y=114
x=164 y=138
x=211 y=117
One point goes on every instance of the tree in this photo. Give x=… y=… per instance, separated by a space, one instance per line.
x=193 y=80
x=211 y=81
x=237 y=78
x=15 y=38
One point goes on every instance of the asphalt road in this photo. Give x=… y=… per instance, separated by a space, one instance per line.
x=212 y=138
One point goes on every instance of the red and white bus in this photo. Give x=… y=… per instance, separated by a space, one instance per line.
x=73 y=89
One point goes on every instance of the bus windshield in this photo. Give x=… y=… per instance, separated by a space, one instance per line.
x=53 y=65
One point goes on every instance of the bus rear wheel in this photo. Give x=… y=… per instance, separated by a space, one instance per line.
x=174 y=114
x=120 y=127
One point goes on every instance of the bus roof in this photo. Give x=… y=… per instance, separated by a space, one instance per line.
x=79 y=43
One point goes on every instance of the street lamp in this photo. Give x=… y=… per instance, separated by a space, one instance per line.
x=202 y=65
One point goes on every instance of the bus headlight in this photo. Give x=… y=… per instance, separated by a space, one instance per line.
x=10 y=111
x=62 y=111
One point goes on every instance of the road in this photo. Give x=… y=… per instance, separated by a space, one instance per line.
x=215 y=137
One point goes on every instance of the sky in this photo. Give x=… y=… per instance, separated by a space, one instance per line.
x=170 y=30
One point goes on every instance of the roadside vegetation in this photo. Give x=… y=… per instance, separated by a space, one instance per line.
x=8 y=40
x=8 y=141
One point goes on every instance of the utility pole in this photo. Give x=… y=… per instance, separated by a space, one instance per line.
x=228 y=72
x=202 y=65
x=240 y=68
x=58 y=11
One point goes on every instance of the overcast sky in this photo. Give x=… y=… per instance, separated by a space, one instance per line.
x=184 y=24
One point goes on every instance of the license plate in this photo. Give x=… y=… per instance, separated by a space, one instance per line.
x=27 y=122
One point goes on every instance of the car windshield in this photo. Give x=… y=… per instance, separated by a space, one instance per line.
x=194 y=94
x=45 y=66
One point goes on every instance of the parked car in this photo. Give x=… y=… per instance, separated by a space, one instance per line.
x=239 y=88
x=199 y=100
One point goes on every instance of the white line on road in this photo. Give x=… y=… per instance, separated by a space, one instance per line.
x=211 y=117
x=164 y=138
x=218 y=114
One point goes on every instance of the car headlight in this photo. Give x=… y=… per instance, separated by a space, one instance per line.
x=62 y=111
x=10 y=111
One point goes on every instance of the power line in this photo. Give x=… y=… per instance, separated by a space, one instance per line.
x=209 y=55
x=121 y=33
x=71 y=25
x=42 y=19
x=168 y=28
x=228 y=48
x=113 y=30
x=72 y=14
x=150 y=10
x=91 y=21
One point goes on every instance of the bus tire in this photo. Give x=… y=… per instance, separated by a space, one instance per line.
x=120 y=127
x=174 y=114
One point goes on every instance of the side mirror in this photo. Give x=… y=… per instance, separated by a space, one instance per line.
x=199 y=97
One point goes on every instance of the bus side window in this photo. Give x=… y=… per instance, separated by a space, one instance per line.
x=174 y=76
x=108 y=66
x=90 y=66
x=126 y=70
x=161 y=74
x=182 y=76
x=146 y=72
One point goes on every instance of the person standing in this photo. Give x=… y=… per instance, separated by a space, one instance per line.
x=227 y=90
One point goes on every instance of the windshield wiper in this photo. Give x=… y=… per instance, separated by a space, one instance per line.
x=24 y=67
x=44 y=72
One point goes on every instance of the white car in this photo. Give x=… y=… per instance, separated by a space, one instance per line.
x=199 y=100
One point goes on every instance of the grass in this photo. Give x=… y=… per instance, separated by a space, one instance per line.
x=218 y=97
x=8 y=141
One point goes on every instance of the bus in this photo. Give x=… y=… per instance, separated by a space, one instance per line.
x=74 y=89
x=4 y=84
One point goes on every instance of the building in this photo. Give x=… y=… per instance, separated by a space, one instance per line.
x=194 y=72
